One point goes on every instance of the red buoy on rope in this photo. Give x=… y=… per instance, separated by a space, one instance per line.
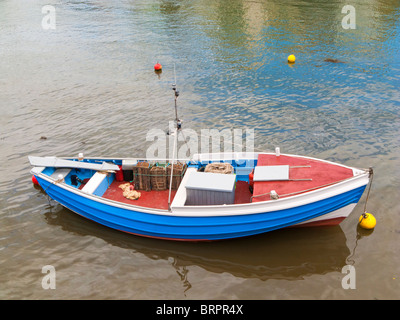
x=157 y=67
x=34 y=181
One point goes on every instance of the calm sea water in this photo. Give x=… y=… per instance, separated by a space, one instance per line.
x=89 y=86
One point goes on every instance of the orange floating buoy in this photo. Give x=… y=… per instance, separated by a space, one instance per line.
x=34 y=181
x=157 y=67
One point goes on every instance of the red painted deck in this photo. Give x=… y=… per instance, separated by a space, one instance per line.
x=159 y=199
x=148 y=199
x=320 y=172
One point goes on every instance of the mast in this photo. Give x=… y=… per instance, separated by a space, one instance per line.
x=178 y=126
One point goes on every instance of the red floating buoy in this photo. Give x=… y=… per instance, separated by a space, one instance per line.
x=34 y=181
x=157 y=67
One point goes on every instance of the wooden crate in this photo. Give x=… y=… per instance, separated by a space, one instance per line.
x=141 y=173
x=179 y=170
x=158 y=178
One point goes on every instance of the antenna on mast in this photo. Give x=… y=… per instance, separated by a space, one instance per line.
x=176 y=93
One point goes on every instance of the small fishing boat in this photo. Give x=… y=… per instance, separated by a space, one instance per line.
x=287 y=190
x=208 y=197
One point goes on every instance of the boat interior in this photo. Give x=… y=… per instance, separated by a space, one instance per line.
x=203 y=181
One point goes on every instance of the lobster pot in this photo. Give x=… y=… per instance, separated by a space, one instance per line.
x=179 y=170
x=224 y=168
x=158 y=178
x=141 y=174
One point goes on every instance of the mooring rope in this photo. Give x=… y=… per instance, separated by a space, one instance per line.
x=371 y=174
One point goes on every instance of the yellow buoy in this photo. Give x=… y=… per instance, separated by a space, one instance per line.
x=367 y=221
x=291 y=58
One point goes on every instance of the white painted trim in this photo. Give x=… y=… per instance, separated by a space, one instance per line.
x=340 y=213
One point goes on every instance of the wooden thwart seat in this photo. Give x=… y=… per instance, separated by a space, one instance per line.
x=97 y=184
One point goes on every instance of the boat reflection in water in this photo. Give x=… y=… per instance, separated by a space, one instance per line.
x=291 y=253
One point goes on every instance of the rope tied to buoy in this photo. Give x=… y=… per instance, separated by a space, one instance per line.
x=371 y=176
x=367 y=220
x=59 y=180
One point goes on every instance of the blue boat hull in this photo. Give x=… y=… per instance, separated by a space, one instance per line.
x=194 y=228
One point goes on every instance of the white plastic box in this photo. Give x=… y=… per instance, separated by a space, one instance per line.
x=205 y=188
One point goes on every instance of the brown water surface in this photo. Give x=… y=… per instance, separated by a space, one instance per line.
x=89 y=86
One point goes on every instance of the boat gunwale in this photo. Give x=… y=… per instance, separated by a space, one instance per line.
x=208 y=210
x=223 y=158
